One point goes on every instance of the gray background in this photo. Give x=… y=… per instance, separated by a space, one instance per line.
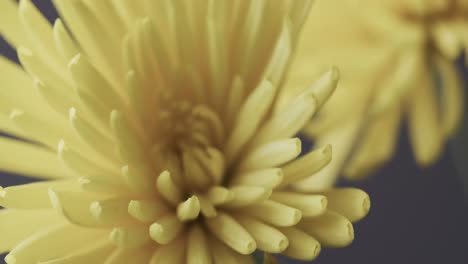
x=417 y=215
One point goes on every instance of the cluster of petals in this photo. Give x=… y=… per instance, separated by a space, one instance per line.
x=157 y=129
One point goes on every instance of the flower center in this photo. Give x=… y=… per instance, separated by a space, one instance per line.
x=187 y=149
x=183 y=125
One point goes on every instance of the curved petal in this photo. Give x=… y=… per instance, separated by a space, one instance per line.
x=17 y=225
x=451 y=97
x=10 y=25
x=128 y=255
x=377 y=146
x=31 y=160
x=342 y=139
x=95 y=253
x=37 y=247
x=33 y=195
x=18 y=91
x=425 y=130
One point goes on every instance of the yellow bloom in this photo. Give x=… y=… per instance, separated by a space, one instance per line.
x=159 y=132
x=389 y=53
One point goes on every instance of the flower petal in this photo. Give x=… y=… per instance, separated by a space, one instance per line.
x=132 y=255
x=233 y=234
x=301 y=246
x=352 y=203
x=424 y=126
x=10 y=25
x=274 y=213
x=451 y=97
x=130 y=237
x=377 y=144
x=173 y=252
x=17 y=225
x=249 y=118
x=268 y=238
x=36 y=247
x=311 y=205
x=97 y=252
x=197 y=247
x=221 y=253
x=272 y=154
x=33 y=195
x=19 y=92
x=31 y=160
x=330 y=229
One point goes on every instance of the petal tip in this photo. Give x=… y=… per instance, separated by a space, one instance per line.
x=10 y=259
x=335 y=73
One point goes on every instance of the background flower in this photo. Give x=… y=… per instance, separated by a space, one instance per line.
x=397 y=62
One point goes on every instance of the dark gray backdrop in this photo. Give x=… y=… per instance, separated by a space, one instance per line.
x=417 y=215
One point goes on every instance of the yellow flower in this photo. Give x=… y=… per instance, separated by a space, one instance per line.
x=157 y=128
x=396 y=59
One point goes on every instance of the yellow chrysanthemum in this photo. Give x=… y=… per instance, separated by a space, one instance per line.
x=396 y=59
x=170 y=146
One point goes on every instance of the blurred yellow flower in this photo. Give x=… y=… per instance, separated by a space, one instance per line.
x=161 y=139
x=396 y=59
